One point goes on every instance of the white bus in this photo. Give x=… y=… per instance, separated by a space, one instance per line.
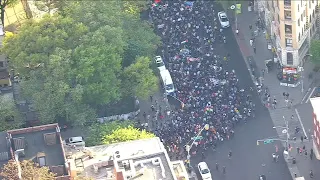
x=167 y=82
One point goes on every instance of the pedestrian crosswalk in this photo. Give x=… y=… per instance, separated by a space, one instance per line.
x=309 y=94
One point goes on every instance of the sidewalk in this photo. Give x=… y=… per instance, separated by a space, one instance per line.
x=282 y=112
x=152 y=119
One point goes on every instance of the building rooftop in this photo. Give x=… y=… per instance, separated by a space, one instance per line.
x=141 y=159
x=315 y=102
x=34 y=143
x=41 y=144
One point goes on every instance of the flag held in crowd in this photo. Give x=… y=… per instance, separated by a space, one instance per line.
x=191 y=59
x=189 y=4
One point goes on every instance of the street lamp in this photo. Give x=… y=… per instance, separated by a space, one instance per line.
x=285 y=131
x=189 y=145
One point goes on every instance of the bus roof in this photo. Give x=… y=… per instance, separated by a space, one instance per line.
x=166 y=77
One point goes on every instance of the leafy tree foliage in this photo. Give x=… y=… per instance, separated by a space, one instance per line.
x=29 y=171
x=315 y=51
x=10 y=117
x=73 y=62
x=126 y=134
x=139 y=79
x=98 y=131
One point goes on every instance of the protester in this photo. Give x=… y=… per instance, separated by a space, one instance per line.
x=209 y=91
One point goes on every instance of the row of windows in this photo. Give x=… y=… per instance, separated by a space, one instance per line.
x=288 y=30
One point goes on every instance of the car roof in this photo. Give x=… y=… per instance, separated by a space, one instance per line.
x=78 y=138
x=222 y=13
x=203 y=165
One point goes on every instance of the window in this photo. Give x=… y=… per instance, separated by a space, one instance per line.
x=1 y=64
x=302 y=17
x=287 y=14
x=312 y=1
x=298 y=22
x=299 y=37
x=298 y=7
x=288 y=42
x=278 y=18
x=289 y=58
x=287 y=2
x=288 y=28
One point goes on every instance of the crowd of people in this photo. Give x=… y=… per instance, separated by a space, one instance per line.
x=208 y=89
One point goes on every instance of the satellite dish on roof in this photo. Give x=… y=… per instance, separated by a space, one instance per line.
x=232 y=7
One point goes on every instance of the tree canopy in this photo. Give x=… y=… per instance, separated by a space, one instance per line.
x=10 y=117
x=29 y=171
x=98 y=131
x=82 y=58
x=126 y=134
x=315 y=51
x=114 y=132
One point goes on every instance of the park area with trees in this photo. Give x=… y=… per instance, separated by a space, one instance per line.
x=84 y=58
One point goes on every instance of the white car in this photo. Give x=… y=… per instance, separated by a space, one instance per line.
x=224 y=21
x=204 y=171
x=160 y=64
x=75 y=141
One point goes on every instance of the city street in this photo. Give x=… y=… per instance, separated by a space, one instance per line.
x=248 y=160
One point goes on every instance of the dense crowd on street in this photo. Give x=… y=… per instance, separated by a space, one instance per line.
x=208 y=89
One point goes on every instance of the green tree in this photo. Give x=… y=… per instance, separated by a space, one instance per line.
x=46 y=66
x=140 y=38
x=72 y=63
x=10 y=117
x=134 y=7
x=315 y=51
x=126 y=134
x=98 y=131
x=139 y=80
x=29 y=171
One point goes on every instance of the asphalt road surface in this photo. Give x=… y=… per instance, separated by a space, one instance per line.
x=248 y=160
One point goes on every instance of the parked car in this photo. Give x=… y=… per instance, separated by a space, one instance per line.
x=224 y=21
x=160 y=64
x=204 y=171
x=75 y=141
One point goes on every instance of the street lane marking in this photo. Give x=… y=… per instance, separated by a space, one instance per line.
x=304 y=131
x=304 y=97
x=311 y=94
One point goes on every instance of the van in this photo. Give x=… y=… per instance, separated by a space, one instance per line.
x=160 y=64
x=167 y=82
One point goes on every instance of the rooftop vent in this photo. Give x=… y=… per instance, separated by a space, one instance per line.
x=117 y=154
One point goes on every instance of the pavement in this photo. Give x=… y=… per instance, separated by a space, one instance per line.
x=301 y=110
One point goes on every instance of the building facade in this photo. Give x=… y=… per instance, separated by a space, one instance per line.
x=291 y=25
x=315 y=102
